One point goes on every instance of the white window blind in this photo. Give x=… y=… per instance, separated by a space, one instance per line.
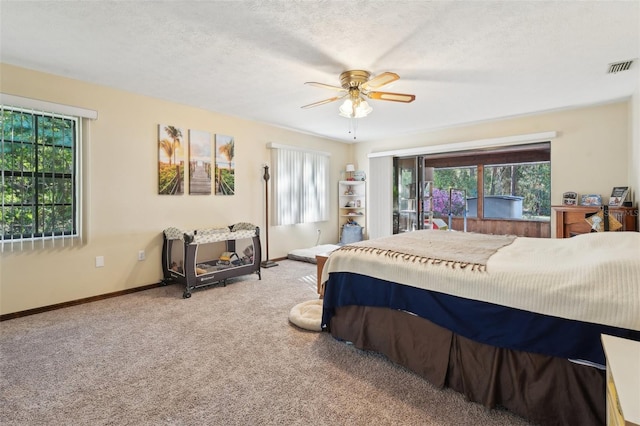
x=300 y=185
x=380 y=209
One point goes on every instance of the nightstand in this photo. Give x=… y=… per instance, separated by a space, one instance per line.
x=623 y=380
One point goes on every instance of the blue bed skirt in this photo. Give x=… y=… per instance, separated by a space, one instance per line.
x=482 y=322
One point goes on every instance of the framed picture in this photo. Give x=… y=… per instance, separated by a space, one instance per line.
x=570 y=199
x=591 y=200
x=170 y=160
x=618 y=196
x=199 y=162
x=225 y=169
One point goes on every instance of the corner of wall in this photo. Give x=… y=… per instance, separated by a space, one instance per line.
x=634 y=145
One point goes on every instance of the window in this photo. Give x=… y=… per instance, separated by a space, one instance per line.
x=300 y=185
x=512 y=182
x=40 y=187
x=450 y=188
x=518 y=190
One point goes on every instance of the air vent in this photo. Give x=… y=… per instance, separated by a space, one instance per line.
x=619 y=66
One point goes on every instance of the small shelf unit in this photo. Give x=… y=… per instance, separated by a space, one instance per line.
x=351 y=204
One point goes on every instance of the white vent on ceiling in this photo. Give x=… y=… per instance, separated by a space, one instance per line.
x=619 y=66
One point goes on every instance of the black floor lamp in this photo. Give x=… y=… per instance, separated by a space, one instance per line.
x=266 y=263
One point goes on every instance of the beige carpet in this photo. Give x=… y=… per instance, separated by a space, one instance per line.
x=226 y=356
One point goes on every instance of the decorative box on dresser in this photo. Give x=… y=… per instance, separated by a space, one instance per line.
x=623 y=381
x=570 y=220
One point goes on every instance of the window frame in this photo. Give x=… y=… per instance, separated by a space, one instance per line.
x=43 y=232
x=513 y=154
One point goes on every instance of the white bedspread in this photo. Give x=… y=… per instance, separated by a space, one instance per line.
x=591 y=277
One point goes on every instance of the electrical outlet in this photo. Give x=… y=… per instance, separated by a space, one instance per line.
x=141 y=255
x=99 y=261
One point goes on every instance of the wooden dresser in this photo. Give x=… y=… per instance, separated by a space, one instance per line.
x=570 y=220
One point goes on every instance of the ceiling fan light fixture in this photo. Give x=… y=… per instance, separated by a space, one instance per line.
x=357 y=84
x=362 y=109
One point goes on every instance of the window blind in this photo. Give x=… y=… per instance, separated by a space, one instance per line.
x=380 y=208
x=300 y=185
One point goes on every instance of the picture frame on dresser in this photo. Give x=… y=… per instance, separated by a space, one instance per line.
x=590 y=200
x=570 y=198
x=618 y=196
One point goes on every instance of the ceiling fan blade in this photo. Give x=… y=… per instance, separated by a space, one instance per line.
x=380 y=80
x=325 y=86
x=326 y=101
x=388 y=96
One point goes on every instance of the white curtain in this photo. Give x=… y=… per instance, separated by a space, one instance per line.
x=380 y=211
x=300 y=186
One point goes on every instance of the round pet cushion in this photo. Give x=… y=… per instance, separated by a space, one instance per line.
x=307 y=315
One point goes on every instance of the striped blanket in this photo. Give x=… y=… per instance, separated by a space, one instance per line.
x=453 y=249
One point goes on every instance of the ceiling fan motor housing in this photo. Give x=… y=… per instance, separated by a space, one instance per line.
x=354 y=78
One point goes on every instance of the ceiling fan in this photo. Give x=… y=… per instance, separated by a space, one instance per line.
x=357 y=85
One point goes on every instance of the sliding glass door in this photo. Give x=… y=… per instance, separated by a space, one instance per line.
x=408 y=197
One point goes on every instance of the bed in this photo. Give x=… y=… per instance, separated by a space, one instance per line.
x=508 y=321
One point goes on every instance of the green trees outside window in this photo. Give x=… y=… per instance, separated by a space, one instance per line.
x=38 y=162
x=529 y=181
x=525 y=183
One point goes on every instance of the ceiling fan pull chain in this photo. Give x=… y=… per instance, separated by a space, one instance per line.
x=354 y=124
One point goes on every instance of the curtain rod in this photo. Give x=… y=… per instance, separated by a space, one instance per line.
x=44 y=106
x=274 y=145
x=462 y=146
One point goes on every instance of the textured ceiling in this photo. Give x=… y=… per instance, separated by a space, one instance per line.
x=466 y=61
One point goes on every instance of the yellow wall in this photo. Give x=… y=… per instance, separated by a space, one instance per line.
x=124 y=212
x=595 y=150
x=591 y=154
